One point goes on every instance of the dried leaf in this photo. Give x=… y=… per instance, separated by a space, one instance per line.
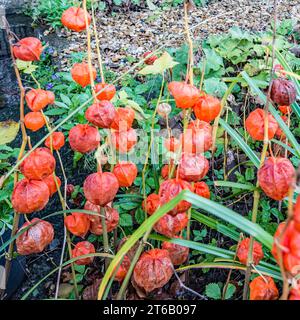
x=160 y=65
x=8 y=131
x=91 y=292
x=64 y=290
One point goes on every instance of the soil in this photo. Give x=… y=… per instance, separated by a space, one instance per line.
x=143 y=30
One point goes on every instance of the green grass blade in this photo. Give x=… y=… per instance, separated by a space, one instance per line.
x=242 y=144
x=232 y=265
x=234 y=185
x=230 y=216
x=215 y=225
x=201 y=247
x=287 y=67
x=205 y=204
x=102 y=255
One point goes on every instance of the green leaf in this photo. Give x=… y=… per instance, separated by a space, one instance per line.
x=125 y=220
x=213 y=291
x=215 y=87
x=66 y=100
x=55 y=112
x=160 y=65
x=230 y=291
x=139 y=216
x=8 y=131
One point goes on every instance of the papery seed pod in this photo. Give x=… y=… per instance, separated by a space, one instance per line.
x=291 y=263
x=38 y=165
x=243 y=250
x=28 y=49
x=29 y=196
x=151 y=203
x=38 y=99
x=81 y=74
x=74 y=18
x=172 y=144
x=34 y=121
x=35 y=238
x=166 y=169
x=275 y=177
x=131 y=252
x=83 y=248
x=296 y=216
x=123 y=119
x=151 y=59
x=294 y=244
x=123 y=269
x=100 y=188
x=201 y=189
x=169 y=189
x=282 y=238
x=170 y=226
x=185 y=95
x=255 y=125
x=295 y=293
x=124 y=141
x=126 y=172
x=279 y=132
x=84 y=138
x=193 y=167
x=285 y=109
x=111 y=218
x=70 y=189
x=263 y=288
x=207 y=108
x=178 y=253
x=101 y=114
x=50 y=182
x=197 y=138
x=109 y=90
x=164 y=109
x=78 y=223
x=58 y=140
x=283 y=91
x=153 y=270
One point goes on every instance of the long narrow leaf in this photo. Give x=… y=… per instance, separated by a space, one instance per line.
x=287 y=67
x=215 y=225
x=235 y=185
x=90 y=255
x=207 y=205
x=232 y=265
x=242 y=144
x=201 y=247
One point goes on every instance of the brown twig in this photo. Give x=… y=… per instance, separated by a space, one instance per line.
x=15 y=226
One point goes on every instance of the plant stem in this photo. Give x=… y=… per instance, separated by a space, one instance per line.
x=64 y=207
x=256 y=194
x=105 y=236
x=97 y=44
x=88 y=34
x=133 y=263
x=15 y=225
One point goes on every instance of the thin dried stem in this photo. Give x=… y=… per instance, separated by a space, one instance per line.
x=263 y=156
x=9 y=255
